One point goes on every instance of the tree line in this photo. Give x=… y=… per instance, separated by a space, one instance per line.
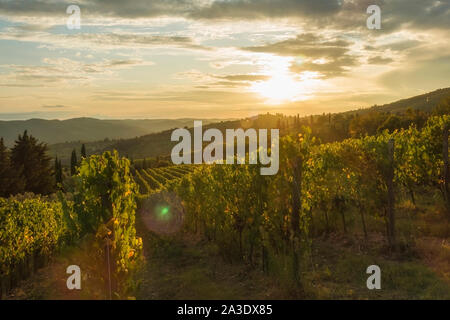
x=27 y=167
x=340 y=126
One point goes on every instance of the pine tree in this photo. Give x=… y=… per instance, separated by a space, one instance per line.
x=31 y=166
x=83 y=152
x=73 y=163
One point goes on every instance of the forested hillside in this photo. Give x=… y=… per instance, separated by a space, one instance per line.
x=87 y=129
x=326 y=127
x=425 y=102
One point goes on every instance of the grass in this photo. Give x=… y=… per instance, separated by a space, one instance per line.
x=49 y=283
x=341 y=274
x=181 y=267
x=184 y=268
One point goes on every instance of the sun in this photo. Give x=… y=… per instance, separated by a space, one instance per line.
x=283 y=85
x=278 y=89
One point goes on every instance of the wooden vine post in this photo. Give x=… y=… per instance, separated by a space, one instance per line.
x=391 y=196
x=295 y=215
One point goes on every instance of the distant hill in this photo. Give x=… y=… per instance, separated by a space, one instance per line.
x=159 y=144
x=150 y=145
x=425 y=102
x=155 y=144
x=87 y=129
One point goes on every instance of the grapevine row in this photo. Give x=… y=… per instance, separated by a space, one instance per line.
x=156 y=179
x=271 y=220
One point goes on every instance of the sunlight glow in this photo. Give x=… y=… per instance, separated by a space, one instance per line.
x=283 y=85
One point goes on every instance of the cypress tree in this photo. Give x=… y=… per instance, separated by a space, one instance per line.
x=83 y=152
x=73 y=163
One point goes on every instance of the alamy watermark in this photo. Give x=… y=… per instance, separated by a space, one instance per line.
x=374 y=20
x=183 y=153
x=74 y=280
x=374 y=281
x=74 y=20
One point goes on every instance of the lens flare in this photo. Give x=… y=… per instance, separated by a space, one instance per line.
x=162 y=213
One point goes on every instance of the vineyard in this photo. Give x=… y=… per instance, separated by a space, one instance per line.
x=31 y=230
x=271 y=221
x=153 y=180
x=355 y=190
x=102 y=210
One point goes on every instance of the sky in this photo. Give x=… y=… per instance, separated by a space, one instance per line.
x=216 y=59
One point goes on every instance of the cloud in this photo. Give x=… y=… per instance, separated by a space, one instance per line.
x=337 y=67
x=8 y=116
x=244 y=77
x=401 y=45
x=196 y=9
x=101 y=40
x=347 y=15
x=140 y=40
x=416 y=14
x=379 y=60
x=207 y=80
x=237 y=80
x=329 y=56
x=307 y=44
x=230 y=84
x=30 y=28
x=336 y=14
x=57 y=106
x=60 y=71
x=433 y=74
x=254 y=9
x=113 y=8
x=203 y=97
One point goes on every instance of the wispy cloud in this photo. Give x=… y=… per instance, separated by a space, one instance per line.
x=62 y=70
x=56 y=106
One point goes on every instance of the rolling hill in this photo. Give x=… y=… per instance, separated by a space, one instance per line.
x=150 y=145
x=159 y=144
x=424 y=102
x=87 y=129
